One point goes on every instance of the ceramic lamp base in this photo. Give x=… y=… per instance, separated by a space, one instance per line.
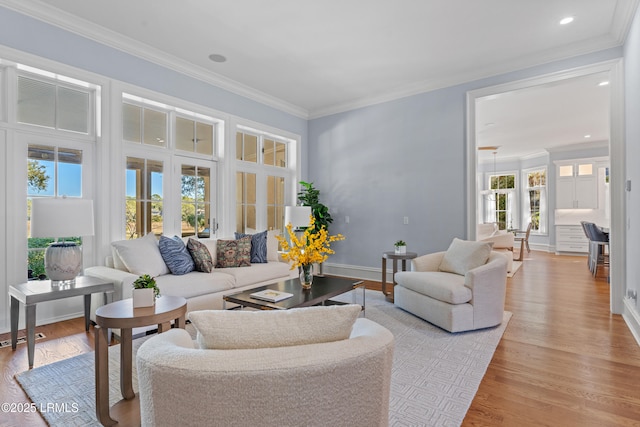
x=62 y=262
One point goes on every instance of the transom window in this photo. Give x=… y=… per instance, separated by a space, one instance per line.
x=52 y=103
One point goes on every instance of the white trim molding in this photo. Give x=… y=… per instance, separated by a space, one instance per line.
x=632 y=318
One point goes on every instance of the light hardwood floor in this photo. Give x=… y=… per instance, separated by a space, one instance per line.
x=564 y=360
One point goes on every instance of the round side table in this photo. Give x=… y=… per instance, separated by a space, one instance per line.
x=121 y=314
x=394 y=257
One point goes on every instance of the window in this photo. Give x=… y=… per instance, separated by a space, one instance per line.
x=275 y=202
x=246 y=147
x=196 y=202
x=189 y=142
x=195 y=136
x=501 y=200
x=535 y=200
x=246 y=202
x=263 y=179
x=144 y=197
x=54 y=105
x=51 y=172
x=144 y=125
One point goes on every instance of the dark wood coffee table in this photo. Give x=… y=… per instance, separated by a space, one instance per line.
x=321 y=291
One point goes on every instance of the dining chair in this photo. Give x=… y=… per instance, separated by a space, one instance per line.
x=524 y=240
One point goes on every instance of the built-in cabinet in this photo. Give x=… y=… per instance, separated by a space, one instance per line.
x=576 y=185
x=571 y=238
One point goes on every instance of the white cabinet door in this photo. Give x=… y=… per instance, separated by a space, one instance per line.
x=565 y=193
x=586 y=192
x=576 y=186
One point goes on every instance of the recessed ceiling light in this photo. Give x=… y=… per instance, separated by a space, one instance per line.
x=489 y=124
x=567 y=20
x=604 y=83
x=215 y=57
x=587 y=136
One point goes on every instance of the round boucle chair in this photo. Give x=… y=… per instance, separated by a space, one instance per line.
x=344 y=382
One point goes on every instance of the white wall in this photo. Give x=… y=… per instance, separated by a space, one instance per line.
x=632 y=136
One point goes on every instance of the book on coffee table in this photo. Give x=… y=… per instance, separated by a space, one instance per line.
x=271 y=295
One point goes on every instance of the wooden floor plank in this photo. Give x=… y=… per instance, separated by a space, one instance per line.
x=564 y=359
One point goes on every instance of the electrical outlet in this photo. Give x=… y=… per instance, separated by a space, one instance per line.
x=346 y=219
x=406 y=220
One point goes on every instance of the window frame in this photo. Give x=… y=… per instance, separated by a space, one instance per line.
x=544 y=200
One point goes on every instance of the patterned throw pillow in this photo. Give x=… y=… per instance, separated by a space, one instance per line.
x=234 y=253
x=258 y=246
x=201 y=256
x=175 y=255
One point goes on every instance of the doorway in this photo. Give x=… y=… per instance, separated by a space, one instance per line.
x=612 y=69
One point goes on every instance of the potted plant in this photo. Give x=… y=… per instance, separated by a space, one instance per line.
x=145 y=291
x=401 y=247
x=310 y=196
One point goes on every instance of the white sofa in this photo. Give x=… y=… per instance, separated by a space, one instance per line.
x=202 y=290
x=345 y=382
x=454 y=302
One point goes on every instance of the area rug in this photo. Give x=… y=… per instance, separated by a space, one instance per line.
x=434 y=378
x=514 y=268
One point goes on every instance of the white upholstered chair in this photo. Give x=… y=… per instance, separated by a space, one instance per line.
x=453 y=301
x=344 y=382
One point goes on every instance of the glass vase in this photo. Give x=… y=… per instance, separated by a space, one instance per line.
x=306 y=276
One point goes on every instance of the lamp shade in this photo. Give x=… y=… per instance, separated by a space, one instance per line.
x=298 y=216
x=61 y=217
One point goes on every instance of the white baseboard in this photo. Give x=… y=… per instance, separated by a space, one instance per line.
x=356 y=271
x=40 y=322
x=632 y=318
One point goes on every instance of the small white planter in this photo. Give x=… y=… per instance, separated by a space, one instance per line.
x=400 y=250
x=143 y=298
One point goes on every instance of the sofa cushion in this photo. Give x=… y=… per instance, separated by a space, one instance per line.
x=200 y=255
x=234 y=253
x=445 y=287
x=464 y=255
x=141 y=255
x=194 y=284
x=175 y=255
x=235 y=329
x=258 y=273
x=258 y=246
x=272 y=245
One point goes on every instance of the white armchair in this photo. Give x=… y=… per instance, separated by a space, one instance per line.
x=502 y=240
x=452 y=301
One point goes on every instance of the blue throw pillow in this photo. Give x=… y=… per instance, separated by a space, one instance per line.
x=258 y=246
x=175 y=255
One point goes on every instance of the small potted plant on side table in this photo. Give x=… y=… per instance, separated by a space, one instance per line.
x=401 y=247
x=145 y=291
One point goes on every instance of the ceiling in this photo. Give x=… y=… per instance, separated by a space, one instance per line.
x=313 y=58
x=528 y=122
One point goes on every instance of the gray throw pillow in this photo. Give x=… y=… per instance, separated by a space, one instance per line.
x=258 y=246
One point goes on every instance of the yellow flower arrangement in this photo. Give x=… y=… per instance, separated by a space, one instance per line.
x=311 y=248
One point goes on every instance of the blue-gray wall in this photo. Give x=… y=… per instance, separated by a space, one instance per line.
x=403 y=158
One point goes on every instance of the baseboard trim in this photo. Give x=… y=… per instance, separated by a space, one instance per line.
x=632 y=318
x=357 y=272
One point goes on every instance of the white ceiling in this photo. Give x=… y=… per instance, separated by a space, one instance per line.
x=313 y=58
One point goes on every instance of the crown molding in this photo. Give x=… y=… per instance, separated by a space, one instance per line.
x=573 y=50
x=43 y=12
x=622 y=19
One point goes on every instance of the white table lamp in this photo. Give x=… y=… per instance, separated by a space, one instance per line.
x=298 y=216
x=60 y=218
